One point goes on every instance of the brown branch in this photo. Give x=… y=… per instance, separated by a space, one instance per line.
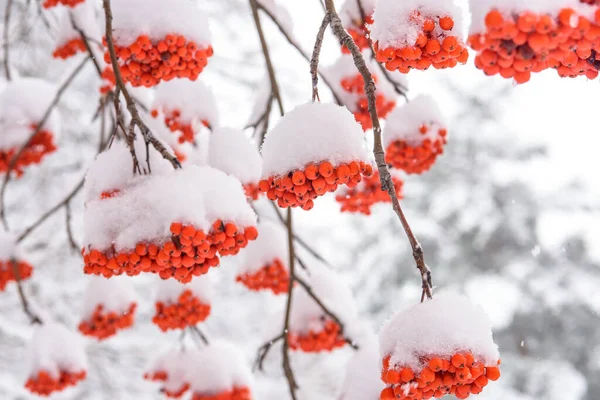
x=136 y=120
x=200 y=334
x=72 y=241
x=33 y=318
x=7 y=14
x=39 y=126
x=314 y=61
x=263 y=351
x=378 y=151
x=287 y=368
x=87 y=45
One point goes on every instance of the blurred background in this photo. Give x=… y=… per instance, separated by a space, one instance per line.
x=509 y=215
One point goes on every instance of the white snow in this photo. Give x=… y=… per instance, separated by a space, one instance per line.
x=115 y=295
x=486 y=290
x=404 y=122
x=362 y=380
x=169 y=290
x=232 y=152
x=157 y=19
x=448 y=324
x=396 y=25
x=262 y=97
x=175 y=364
x=54 y=348
x=313 y=132
x=9 y=247
x=270 y=245
x=24 y=102
x=280 y=12
x=195 y=101
x=350 y=12
x=84 y=17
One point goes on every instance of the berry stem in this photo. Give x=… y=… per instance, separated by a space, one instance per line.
x=34 y=319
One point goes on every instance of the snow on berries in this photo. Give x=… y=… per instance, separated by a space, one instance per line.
x=356 y=24
x=69 y=41
x=158 y=41
x=311 y=330
x=515 y=39
x=171 y=369
x=415 y=135
x=351 y=90
x=179 y=306
x=362 y=380
x=418 y=34
x=109 y=306
x=232 y=152
x=185 y=107
x=23 y=104
x=11 y=261
x=57 y=359
x=458 y=357
x=311 y=151
x=265 y=261
x=367 y=193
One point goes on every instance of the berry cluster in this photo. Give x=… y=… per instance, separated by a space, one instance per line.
x=103 y=325
x=515 y=45
x=360 y=34
x=299 y=188
x=68 y=3
x=173 y=122
x=356 y=84
x=43 y=384
x=417 y=158
x=327 y=339
x=435 y=46
x=144 y=63
x=69 y=49
x=163 y=376
x=237 y=393
x=188 y=310
x=273 y=276
x=189 y=252
x=7 y=273
x=109 y=80
x=459 y=375
x=252 y=191
x=361 y=198
x=39 y=146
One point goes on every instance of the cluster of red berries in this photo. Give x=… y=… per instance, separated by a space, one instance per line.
x=515 y=45
x=144 y=63
x=68 y=3
x=189 y=252
x=361 y=198
x=299 y=188
x=356 y=84
x=43 y=384
x=173 y=122
x=7 y=272
x=430 y=49
x=327 y=339
x=163 y=376
x=360 y=34
x=273 y=276
x=237 y=393
x=252 y=191
x=103 y=325
x=459 y=375
x=416 y=159
x=188 y=310
x=69 y=49
x=109 y=80
x=39 y=146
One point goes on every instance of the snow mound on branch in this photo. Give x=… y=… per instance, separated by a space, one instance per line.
x=280 y=13
x=84 y=17
x=175 y=364
x=232 y=152
x=195 y=101
x=350 y=12
x=169 y=289
x=9 y=247
x=271 y=244
x=217 y=368
x=313 y=132
x=54 y=348
x=396 y=25
x=404 y=122
x=307 y=315
x=448 y=324
x=113 y=294
x=24 y=102
x=362 y=380
x=157 y=19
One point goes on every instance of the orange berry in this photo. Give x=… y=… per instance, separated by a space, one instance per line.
x=492 y=373
x=326 y=169
x=446 y=23
x=458 y=360
x=494 y=19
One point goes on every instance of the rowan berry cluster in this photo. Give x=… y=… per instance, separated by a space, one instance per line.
x=188 y=310
x=68 y=3
x=299 y=188
x=435 y=46
x=7 y=273
x=273 y=276
x=417 y=158
x=39 y=146
x=356 y=85
x=146 y=63
x=328 y=339
x=174 y=123
x=69 y=49
x=360 y=34
x=459 y=375
x=103 y=324
x=237 y=393
x=516 y=45
x=163 y=376
x=361 y=198
x=188 y=252
x=44 y=384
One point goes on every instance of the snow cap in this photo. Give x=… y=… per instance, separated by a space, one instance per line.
x=232 y=152
x=270 y=245
x=115 y=295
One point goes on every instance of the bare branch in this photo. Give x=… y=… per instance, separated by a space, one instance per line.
x=7 y=15
x=88 y=47
x=263 y=351
x=200 y=334
x=314 y=61
x=72 y=242
x=287 y=368
x=33 y=318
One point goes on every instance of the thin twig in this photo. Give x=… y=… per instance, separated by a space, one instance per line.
x=263 y=351
x=287 y=368
x=378 y=151
x=72 y=241
x=33 y=318
x=88 y=47
x=314 y=61
x=200 y=334
x=7 y=14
